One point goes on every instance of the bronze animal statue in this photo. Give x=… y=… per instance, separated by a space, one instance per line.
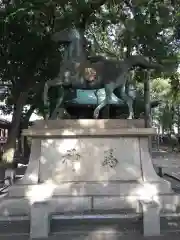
x=80 y=72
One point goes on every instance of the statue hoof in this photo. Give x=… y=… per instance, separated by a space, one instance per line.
x=130 y=117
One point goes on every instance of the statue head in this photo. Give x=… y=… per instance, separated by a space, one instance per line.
x=75 y=40
x=68 y=35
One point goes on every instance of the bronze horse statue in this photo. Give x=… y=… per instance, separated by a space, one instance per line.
x=80 y=72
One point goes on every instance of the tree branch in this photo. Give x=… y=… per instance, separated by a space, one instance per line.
x=103 y=49
x=91 y=7
x=130 y=6
x=128 y=3
x=94 y=5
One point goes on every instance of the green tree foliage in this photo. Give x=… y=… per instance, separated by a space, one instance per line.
x=167 y=115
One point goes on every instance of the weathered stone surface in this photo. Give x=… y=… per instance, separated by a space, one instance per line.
x=32 y=172
x=82 y=165
x=88 y=127
x=89 y=123
x=40 y=220
x=151 y=219
x=98 y=159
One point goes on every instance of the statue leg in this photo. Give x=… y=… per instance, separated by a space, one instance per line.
x=129 y=102
x=109 y=88
x=45 y=98
x=96 y=94
x=57 y=109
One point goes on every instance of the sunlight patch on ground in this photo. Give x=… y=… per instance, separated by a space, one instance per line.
x=146 y=192
x=33 y=177
x=8 y=155
x=41 y=192
x=48 y=134
x=68 y=132
x=8 y=117
x=90 y=122
x=100 y=233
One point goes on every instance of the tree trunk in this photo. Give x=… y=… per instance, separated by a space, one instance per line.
x=147 y=100
x=25 y=123
x=10 y=146
x=178 y=119
x=171 y=127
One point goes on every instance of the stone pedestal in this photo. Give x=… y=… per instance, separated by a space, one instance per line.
x=79 y=166
x=101 y=155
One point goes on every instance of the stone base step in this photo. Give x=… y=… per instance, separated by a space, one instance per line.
x=106 y=223
x=14 y=225
x=111 y=236
x=74 y=225
x=93 y=226
x=88 y=236
x=170 y=222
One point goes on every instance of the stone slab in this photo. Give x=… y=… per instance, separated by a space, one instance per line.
x=151 y=219
x=114 y=203
x=47 y=190
x=88 y=127
x=70 y=205
x=90 y=159
x=14 y=207
x=20 y=206
x=93 y=132
x=89 y=123
x=74 y=189
x=40 y=221
x=32 y=172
